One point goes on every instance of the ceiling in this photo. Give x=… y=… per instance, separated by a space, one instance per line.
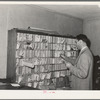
x=79 y=11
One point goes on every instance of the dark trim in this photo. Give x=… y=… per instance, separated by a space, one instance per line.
x=42 y=32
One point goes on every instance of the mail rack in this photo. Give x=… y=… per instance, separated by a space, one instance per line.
x=34 y=58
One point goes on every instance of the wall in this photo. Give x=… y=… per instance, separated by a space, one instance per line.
x=3 y=40
x=91 y=27
x=22 y=16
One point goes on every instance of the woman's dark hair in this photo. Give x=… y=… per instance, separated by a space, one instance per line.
x=84 y=38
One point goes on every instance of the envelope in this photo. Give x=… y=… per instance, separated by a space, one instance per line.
x=68 y=54
x=35 y=46
x=46 y=46
x=60 y=46
x=21 y=52
x=42 y=76
x=69 y=41
x=54 y=81
x=17 y=62
x=63 y=66
x=68 y=72
x=37 y=77
x=53 y=60
x=68 y=47
x=63 y=73
x=18 y=45
x=23 y=70
x=20 y=36
x=20 y=78
x=29 y=37
x=17 y=53
x=47 y=82
x=35 y=84
x=21 y=62
x=63 y=47
x=33 y=77
x=26 y=70
x=37 y=38
x=28 y=64
x=50 y=68
x=36 y=69
x=36 y=61
x=29 y=70
x=48 y=75
x=30 y=84
x=42 y=69
x=29 y=79
x=57 y=74
x=24 y=37
x=17 y=71
x=41 y=61
x=41 y=83
x=49 y=39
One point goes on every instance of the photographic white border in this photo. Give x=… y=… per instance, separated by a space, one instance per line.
x=49 y=94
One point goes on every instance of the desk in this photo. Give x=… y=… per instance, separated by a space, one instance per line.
x=8 y=86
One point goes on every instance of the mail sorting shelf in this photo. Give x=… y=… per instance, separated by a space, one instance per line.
x=34 y=58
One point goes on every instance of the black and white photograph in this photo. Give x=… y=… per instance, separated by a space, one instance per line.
x=50 y=48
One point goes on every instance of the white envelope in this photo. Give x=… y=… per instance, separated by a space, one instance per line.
x=54 y=81
x=29 y=84
x=17 y=62
x=35 y=84
x=60 y=46
x=17 y=71
x=30 y=37
x=41 y=83
x=63 y=47
x=18 y=45
x=21 y=62
x=20 y=36
x=70 y=41
x=20 y=78
x=17 y=53
x=42 y=69
x=37 y=77
x=26 y=70
x=68 y=54
x=55 y=54
x=48 y=75
x=37 y=38
x=33 y=77
x=24 y=37
x=29 y=79
x=57 y=74
x=63 y=73
x=36 y=62
x=68 y=47
x=36 y=69
x=42 y=76
x=28 y=64
x=23 y=70
x=53 y=60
